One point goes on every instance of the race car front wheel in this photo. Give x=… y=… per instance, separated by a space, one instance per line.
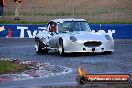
x=39 y=48
x=61 y=49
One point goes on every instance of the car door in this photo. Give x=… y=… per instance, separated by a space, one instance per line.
x=54 y=40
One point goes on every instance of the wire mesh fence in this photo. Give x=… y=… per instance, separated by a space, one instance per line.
x=39 y=13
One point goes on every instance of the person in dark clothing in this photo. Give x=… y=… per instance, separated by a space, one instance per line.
x=2 y=4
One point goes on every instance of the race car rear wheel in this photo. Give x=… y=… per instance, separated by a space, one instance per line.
x=61 y=49
x=39 y=49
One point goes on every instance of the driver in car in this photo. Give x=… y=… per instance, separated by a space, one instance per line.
x=52 y=27
x=62 y=29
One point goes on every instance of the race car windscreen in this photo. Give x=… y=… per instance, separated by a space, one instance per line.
x=71 y=26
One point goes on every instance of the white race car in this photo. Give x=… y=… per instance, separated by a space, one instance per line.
x=72 y=35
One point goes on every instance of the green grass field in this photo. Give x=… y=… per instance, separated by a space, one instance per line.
x=10 y=67
x=27 y=22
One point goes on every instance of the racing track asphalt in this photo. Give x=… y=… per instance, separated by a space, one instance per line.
x=118 y=62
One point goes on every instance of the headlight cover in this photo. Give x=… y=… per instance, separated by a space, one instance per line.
x=73 y=39
x=107 y=37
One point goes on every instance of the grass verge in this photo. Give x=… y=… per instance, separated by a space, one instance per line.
x=22 y=22
x=11 y=67
x=27 y=22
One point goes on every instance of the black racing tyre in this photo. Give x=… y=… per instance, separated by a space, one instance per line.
x=39 y=49
x=61 y=48
x=45 y=51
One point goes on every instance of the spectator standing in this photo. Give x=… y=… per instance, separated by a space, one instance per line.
x=17 y=9
x=2 y=4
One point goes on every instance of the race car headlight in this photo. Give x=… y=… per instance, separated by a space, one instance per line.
x=73 y=39
x=107 y=37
